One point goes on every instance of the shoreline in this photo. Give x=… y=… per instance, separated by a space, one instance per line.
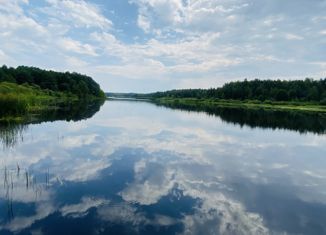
x=248 y=104
x=24 y=102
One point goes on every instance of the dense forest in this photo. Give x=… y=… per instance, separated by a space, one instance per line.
x=307 y=90
x=74 y=83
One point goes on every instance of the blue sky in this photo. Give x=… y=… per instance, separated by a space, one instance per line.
x=149 y=45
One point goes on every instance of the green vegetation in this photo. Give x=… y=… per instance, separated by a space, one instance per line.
x=77 y=84
x=307 y=90
x=27 y=89
x=248 y=104
x=12 y=129
x=303 y=95
x=17 y=100
x=302 y=122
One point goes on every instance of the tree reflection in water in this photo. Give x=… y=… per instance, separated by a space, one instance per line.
x=301 y=122
x=11 y=132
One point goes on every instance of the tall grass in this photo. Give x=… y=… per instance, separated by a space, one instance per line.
x=17 y=100
x=11 y=104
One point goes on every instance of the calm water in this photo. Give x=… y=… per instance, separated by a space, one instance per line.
x=137 y=168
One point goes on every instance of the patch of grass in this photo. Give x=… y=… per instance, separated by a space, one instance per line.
x=12 y=104
x=17 y=100
x=250 y=104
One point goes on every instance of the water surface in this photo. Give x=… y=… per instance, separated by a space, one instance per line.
x=137 y=168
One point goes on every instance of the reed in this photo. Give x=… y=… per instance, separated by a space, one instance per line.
x=18 y=100
x=13 y=104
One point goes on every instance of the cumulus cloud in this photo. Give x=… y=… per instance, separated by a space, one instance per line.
x=12 y=6
x=77 y=47
x=169 y=43
x=143 y=23
x=78 y=13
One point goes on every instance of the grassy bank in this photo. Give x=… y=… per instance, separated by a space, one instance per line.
x=19 y=100
x=249 y=104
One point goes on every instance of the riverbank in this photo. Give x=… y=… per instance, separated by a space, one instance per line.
x=19 y=102
x=248 y=104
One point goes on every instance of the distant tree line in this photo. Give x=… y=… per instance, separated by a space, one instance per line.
x=78 y=84
x=307 y=90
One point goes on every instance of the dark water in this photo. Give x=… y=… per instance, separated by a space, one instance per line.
x=136 y=168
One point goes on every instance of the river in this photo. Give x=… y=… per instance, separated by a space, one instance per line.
x=138 y=168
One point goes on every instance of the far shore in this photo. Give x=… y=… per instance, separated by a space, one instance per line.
x=249 y=104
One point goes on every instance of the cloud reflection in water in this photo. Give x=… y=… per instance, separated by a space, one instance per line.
x=138 y=168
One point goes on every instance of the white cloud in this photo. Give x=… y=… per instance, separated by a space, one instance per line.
x=165 y=11
x=192 y=55
x=143 y=23
x=26 y=35
x=76 y=63
x=12 y=6
x=188 y=16
x=77 y=47
x=291 y=36
x=78 y=13
x=209 y=41
x=272 y=20
x=323 y=32
x=14 y=26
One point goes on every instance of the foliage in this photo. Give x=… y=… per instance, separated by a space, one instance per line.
x=300 y=121
x=19 y=99
x=11 y=104
x=307 y=90
x=74 y=83
x=247 y=104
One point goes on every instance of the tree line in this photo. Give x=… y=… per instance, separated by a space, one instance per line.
x=307 y=90
x=75 y=83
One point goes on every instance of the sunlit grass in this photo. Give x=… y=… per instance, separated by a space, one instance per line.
x=16 y=100
x=251 y=104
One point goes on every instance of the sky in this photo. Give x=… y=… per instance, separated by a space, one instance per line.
x=151 y=45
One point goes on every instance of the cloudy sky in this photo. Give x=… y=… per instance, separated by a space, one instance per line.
x=149 y=45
